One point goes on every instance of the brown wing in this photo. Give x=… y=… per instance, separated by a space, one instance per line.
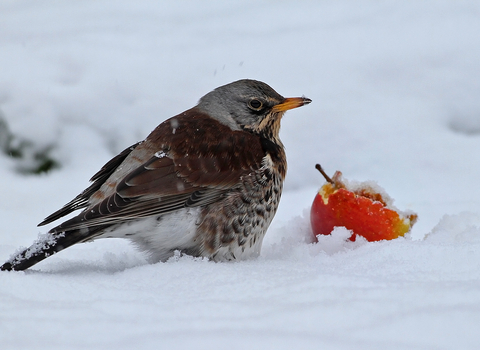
x=196 y=161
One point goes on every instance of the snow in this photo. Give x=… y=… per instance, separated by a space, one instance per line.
x=395 y=89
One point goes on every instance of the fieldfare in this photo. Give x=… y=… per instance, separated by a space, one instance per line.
x=206 y=182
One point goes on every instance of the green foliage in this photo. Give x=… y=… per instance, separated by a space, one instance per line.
x=30 y=158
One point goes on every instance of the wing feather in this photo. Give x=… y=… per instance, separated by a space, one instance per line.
x=196 y=165
x=82 y=200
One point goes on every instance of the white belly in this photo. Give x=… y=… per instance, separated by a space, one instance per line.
x=160 y=237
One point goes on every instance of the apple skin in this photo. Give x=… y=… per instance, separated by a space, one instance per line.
x=364 y=213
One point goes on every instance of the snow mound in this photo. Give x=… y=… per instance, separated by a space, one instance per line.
x=463 y=228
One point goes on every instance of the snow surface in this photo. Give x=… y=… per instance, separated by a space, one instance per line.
x=395 y=88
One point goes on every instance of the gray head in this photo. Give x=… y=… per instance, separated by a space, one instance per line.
x=247 y=105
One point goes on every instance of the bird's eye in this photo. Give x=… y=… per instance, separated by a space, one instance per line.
x=255 y=104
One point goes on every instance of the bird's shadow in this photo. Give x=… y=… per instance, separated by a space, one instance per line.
x=109 y=265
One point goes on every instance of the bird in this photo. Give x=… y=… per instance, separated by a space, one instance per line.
x=204 y=183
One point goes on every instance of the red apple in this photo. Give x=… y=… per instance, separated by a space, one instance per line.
x=359 y=207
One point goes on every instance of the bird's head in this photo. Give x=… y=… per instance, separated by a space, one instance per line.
x=249 y=105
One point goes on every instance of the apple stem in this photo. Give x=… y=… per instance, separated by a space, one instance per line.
x=320 y=169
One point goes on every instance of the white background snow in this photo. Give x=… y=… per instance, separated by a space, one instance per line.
x=396 y=99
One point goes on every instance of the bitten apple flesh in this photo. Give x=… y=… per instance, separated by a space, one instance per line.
x=360 y=208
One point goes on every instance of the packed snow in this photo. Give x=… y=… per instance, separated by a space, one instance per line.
x=395 y=88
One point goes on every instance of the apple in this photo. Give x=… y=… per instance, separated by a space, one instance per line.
x=363 y=208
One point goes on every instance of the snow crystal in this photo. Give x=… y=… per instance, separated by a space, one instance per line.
x=338 y=241
x=160 y=154
x=42 y=242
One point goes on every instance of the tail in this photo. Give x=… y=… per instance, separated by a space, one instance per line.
x=45 y=246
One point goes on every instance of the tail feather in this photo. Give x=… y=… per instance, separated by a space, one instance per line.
x=45 y=246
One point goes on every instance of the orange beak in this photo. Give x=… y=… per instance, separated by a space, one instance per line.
x=291 y=103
